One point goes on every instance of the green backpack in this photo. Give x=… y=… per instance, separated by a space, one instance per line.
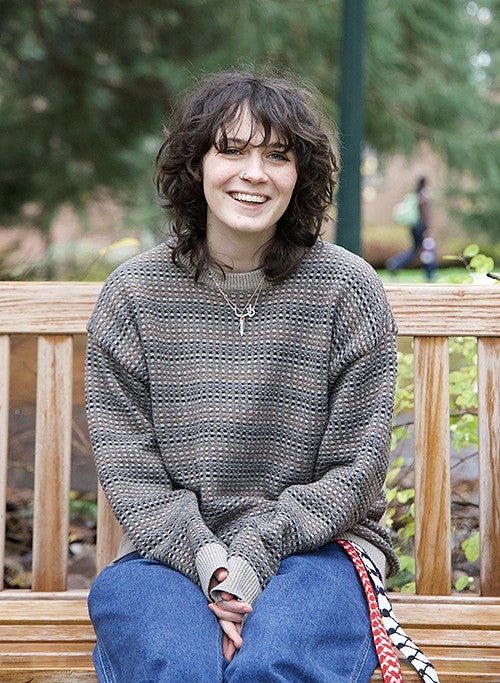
x=407 y=211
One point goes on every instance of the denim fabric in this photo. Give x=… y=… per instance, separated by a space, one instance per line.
x=310 y=625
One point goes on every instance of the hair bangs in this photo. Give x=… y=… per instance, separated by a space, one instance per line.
x=265 y=129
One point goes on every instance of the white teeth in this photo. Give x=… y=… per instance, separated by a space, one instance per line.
x=254 y=199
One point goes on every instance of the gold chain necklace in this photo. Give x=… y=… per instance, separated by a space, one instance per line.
x=248 y=310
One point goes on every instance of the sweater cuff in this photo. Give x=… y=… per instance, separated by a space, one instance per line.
x=211 y=556
x=242 y=582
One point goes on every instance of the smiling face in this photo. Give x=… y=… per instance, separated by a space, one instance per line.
x=248 y=184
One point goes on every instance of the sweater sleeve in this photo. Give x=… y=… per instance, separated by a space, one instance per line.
x=347 y=494
x=162 y=522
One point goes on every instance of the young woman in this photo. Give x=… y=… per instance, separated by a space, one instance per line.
x=240 y=383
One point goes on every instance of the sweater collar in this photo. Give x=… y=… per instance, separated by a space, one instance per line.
x=230 y=282
x=234 y=282
x=239 y=282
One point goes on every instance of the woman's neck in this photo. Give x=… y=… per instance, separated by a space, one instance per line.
x=238 y=255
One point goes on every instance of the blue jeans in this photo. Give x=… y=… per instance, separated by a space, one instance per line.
x=310 y=625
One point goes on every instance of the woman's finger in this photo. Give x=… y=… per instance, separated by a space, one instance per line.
x=220 y=613
x=232 y=632
x=218 y=576
x=233 y=606
x=228 y=648
x=221 y=574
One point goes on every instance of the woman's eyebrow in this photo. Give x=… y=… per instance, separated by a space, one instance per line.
x=281 y=146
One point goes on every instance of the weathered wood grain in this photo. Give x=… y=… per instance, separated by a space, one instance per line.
x=109 y=532
x=432 y=466
x=64 y=308
x=489 y=463
x=52 y=462
x=4 y=440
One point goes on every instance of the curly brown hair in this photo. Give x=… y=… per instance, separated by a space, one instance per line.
x=278 y=105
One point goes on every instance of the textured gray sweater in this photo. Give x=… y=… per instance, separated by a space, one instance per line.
x=221 y=450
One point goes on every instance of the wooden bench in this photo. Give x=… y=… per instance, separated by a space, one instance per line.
x=45 y=633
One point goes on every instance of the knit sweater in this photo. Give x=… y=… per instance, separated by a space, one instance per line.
x=217 y=449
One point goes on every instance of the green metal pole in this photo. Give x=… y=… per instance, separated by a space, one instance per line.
x=351 y=125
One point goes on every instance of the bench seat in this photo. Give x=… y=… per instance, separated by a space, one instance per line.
x=48 y=638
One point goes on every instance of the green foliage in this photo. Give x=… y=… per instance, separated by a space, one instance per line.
x=463 y=392
x=476 y=264
x=462 y=583
x=470 y=546
x=82 y=507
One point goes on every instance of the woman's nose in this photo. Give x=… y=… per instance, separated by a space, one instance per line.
x=254 y=168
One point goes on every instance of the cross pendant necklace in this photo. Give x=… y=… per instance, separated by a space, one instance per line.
x=248 y=310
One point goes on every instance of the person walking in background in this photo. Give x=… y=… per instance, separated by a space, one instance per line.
x=414 y=211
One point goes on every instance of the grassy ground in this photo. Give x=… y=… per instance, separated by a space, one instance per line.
x=418 y=276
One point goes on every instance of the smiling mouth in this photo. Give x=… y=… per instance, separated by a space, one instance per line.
x=249 y=198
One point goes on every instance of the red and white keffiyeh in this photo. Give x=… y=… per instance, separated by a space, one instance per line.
x=386 y=629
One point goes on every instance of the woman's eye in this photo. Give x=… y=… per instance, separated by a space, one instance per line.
x=232 y=151
x=278 y=156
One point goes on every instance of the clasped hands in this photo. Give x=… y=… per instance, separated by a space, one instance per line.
x=229 y=612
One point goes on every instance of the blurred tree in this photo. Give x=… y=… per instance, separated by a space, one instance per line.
x=432 y=74
x=478 y=200
x=86 y=85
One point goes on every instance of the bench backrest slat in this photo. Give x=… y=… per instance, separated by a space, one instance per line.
x=109 y=532
x=432 y=466
x=64 y=308
x=4 y=440
x=52 y=462
x=489 y=463
x=46 y=307
x=451 y=310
